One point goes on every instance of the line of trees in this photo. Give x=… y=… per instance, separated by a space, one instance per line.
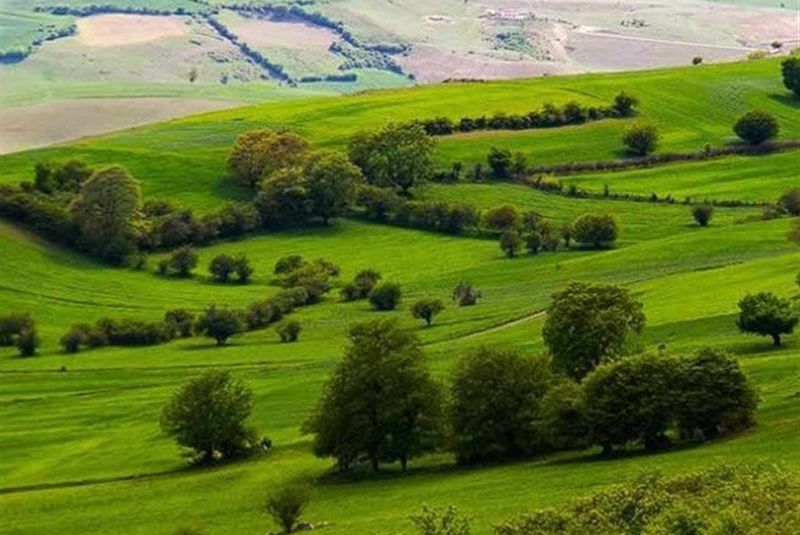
x=548 y=116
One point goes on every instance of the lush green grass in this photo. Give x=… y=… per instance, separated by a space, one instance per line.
x=80 y=445
x=184 y=159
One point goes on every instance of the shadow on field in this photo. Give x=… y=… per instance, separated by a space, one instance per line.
x=786 y=99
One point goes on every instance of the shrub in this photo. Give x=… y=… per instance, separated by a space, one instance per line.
x=790 y=201
x=427 y=309
x=502 y=218
x=242 y=269
x=287 y=264
x=180 y=322
x=221 y=267
x=129 y=332
x=208 y=415
x=495 y=403
x=465 y=294
x=12 y=325
x=597 y=230
x=756 y=126
x=767 y=315
x=287 y=504
x=790 y=70
x=697 y=60
x=289 y=331
x=381 y=403
x=263 y=313
x=641 y=138
x=290 y=298
x=510 y=242
x=721 y=499
x=702 y=213
x=27 y=342
x=630 y=400
x=625 y=104
x=362 y=284
x=378 y=203
x=385 y=296
x=714 y=397
x=500 y=161
x=563 y=423
x=74 y=339
x=441 y=522
x=313 y=277
x=220 y=323
x=589 y=323
x=180 y=263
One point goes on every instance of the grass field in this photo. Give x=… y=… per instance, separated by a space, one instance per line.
x=79 y=439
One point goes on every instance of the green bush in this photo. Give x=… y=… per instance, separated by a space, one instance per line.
x=385 y=296
x=287 y=504
x=289 y=331
x=441 y=522
x=427 y=309
x=641 y=138
x=756 y=126
x=767 y=315
x=597 y=230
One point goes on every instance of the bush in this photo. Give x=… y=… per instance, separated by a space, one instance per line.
x=500 y=161
x=596 y=230
x=441 y=522
x=722 y=499
x=702 y=213
x=715 y=398
x=502 y=218
x=221 y=267
x=180 y=263
x=314 y=277
x=128 y=332
x=790 y=201
x=510 y=242
x=385 y=296
x=289 y=331
x=286 y=506
x=220 y=323
x=465 y=294
x=496 y=396
x=265 y=312
x=756 y=126
x=12 y=325
x=641 y=138
x=589 y=323
x=290 y=298
x=563 y=423
x=287 y=264
x=630 y=400
x=27 y=342
x=242 y=269
x=180 y=322
x=74 y=338
x=625 y=104
x=208 y=415
x=427 y=309
x=362 y=285
x=767 y=315
x=790 y=70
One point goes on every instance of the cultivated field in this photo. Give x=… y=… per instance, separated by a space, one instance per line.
x=81 y=447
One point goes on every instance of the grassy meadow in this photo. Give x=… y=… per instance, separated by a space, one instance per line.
x=81 y=449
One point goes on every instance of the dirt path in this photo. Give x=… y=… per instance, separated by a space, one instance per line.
x=601 y=33
x=507 y=325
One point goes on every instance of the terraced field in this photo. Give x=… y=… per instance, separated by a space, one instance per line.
x=79 y=438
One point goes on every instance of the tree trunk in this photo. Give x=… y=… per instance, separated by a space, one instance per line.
x=404 y=463
x=776 y=340
x=607 y=450
x=375 y=466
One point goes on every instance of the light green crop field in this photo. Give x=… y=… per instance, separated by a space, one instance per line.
x=80 y=444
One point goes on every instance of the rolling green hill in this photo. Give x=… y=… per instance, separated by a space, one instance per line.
x=80 y=444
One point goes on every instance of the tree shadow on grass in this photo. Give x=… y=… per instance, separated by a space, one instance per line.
x=786 y=99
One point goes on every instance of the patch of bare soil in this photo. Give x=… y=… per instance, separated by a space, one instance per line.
x=40 y=125
x=117 y=30
x=262 y=32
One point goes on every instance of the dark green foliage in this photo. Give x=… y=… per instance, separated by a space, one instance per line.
x=756 y=126
x=790 y=70
x=702 y=213
x=220 y=323
x=381 y=403
x=510 y=242
x=107 y=211
x=563 y=423
x=331 y=183
x=290 y=298
x=597 y=230
x=465 y=295
x=589 y=323
x=495 y=400
x=714 y=397
x=727 y=499
x=262 y=313
x=208 y=415
x=289 y=330
x=790 y=201
x=129 y=332
x=287 y=264
x=287 y=504
x=260 y=153
x=399 y=156
x=314 y=277
x=180 y=321
x=284 y=198
x=641 y=138
x=242 y=269
x=180 y=263
x=221 y=267
x=236 y=219
x=27 y=341
x=378 y=203
x=625 y=104
x=441 y=522
x=500 y=161
x=767 y=315
x=74 y=339
x=11 y=325
x=385 y=296
x=362 y=285
x=502 y=218
x=50 y=178
x=427 y=309
x=630 y=400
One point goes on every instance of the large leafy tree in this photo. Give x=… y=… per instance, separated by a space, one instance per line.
x=588 y=323
x=107 y=212
x=495 y=404
x=398 y=155
x=766 y=314
x=331 y=182
x=260 y=153
x=380 y=404
x=209 y=415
